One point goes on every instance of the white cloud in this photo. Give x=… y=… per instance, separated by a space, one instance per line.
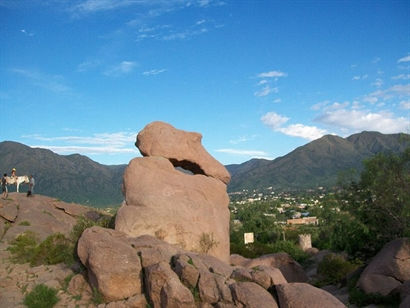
x=359 y=120
x=24 y=31
x=360 y=77
x=402 y=77
x=405 y=105
x=274 y=120
x=266 y=91
x=396 y=92
x=303 y=131
x=154 y=72
x=103 y=143
x=404 y=59
x=249 y=154
x=378 y=83
x=272 y=74
x=122 y=68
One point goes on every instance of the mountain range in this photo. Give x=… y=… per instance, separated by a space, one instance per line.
x=76 y=178
x=318 y=163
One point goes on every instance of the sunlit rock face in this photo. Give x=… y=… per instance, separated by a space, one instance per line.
x=189 y=210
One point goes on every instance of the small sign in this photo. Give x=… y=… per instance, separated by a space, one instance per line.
x=248 y=237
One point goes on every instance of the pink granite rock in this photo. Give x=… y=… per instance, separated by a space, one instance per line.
x=182 y=148
x=190 y=211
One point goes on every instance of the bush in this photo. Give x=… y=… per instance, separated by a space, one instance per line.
x=23 y=247
x=53 y=250
x=41 y=297
x=333 y=269
x=292 y=249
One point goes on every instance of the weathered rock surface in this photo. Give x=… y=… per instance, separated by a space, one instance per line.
x=113 y=266
x=303 y=295
x=388 y=269
x=39 y=214
x=172 y=277
x=190 y=211
x=291 y=270
x=182 y=148
x=249 y=294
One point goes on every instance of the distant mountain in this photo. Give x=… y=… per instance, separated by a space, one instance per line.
x=317 y=163
x=72 y=178
x=76 y=178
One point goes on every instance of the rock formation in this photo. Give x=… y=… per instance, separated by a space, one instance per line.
x=188 y=210
x=163 y=275
x=388 y=269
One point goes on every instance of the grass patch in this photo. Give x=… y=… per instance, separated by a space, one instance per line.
x=97 y=297
x=23 y=247
x=55 y=249
x=24 y=223
x=41 y=297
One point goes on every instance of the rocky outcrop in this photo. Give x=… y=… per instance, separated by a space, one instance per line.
x=42 y=215
x=168 y=276
x=190 y=211
x=182 y=148
x=388 y=269
x=291 y=270
x=296 y=295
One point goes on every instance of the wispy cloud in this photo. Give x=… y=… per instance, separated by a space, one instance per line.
x=360 y=77
x=242 y=139
x=272 y=74
x=54 y=83
x=394 y=92
x=154 y=72
x=25 y=32
x=103 y=143
x=266 y=91
x=88 y=65
x=125 y=67
x=405 y=105
x=248 y=153
x=276 y=122
x=404 y=59
x=401 y=76
x=358 y=120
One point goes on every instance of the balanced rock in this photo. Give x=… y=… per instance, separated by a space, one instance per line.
x=182 y=148
x=190 y=211
x=388 y=269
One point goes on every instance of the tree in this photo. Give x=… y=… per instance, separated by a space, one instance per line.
x=380 y=201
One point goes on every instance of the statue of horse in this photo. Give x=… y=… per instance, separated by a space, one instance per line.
x=17 y=180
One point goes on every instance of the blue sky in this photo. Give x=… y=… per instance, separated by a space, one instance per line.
x=255 y=78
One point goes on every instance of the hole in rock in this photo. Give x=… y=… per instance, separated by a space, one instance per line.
x=187 y=167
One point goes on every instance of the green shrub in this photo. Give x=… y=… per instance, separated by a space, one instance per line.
x=55 y=249
x=24 y=223
x=41 y=297
x=333 y=269
x=23 y=247
x=292 y=249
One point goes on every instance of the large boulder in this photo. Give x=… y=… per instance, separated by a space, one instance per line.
x=251 y=295
x=182 y=148
x=291 y=270
x=114 y=267
x=303 y=295
x=388 y=269
x=190 y=211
